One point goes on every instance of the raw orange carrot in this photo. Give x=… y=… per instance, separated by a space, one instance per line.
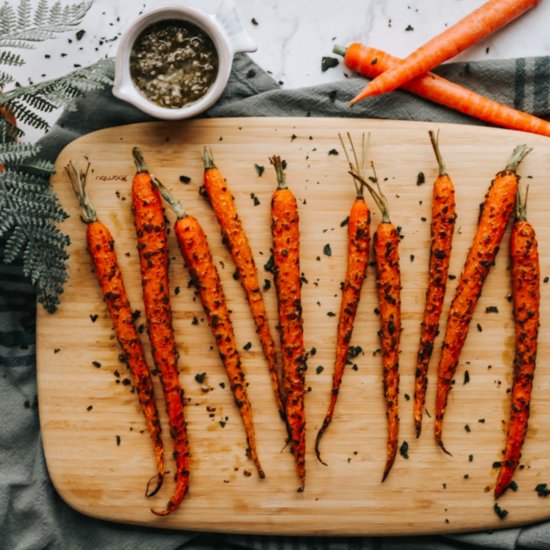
x=442 y=228
x=153 y=258
x=494 y=217
x=371 y=62
x=204 y=274
x=101 y=247
x=236 y=241
x=358 y=259
x=476 y=26
x=526 y=302
x=286 y=259
x=388 y=286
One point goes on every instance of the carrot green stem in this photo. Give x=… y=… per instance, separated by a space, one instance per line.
x=78 y=182
x=379 y=197
x=359 y=167
x=207 y=158
x=139 y=160
x=339 y=50
x=169 y=198
x=518 y=154
x=278 y=165
x=521 y=202
x=434 y=138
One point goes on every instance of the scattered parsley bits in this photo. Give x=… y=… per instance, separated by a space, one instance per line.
x=93 y=317
x=420 y=178
x=542 y=490
x=333 y=152
x=247 y=346
x=255 y=199
x=185 y=179
x=328 y=63
x=118 y=440
x=500 y=512
x=89 y=408
x=331 y=314
x=404 y=450
x=327 y=251
x=200 y=377
x=491 y=309
x=467 y=428
x=96 y=364
x=259 y=169
x=319 y=369
x=409 y=28
x=466 y=377
x=546 y=279
x=267 y=285
x=344 y=222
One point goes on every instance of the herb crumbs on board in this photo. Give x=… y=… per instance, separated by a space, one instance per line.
x=118 y=440
x=327 y=250
x=420 y=178
x=333 y=152
x=185 y=179
x=259 y=169
x=404 y=450
x=466 y=377
x=200 y=377
x=93 y=317
x=247 y=346
x=319 y=369
x=328 y=63
x=500 y=512
x=542 y=490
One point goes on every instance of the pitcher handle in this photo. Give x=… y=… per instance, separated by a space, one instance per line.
x=227 y=17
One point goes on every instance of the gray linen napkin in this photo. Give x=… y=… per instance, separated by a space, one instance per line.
x=32 y=515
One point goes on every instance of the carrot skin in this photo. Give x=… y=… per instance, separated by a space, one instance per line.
x=371 y=62
x=153 y=256
x=204 y=274
x=102 y=251
x=235 y=239
x=388 y=286
x=473 y=28
x=495 y=214
x=358 y=259
x=526 y=304
x=286 y=259
x=442 y=228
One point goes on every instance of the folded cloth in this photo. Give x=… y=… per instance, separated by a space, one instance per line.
x=32 y=515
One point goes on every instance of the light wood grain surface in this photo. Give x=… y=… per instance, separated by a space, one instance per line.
x=99 y=456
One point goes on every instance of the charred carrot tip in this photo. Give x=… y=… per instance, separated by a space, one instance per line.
x=443 y=448
x=325 y=425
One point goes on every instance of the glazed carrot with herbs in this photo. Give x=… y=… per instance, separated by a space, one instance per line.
x=153 y=258
x=286 y=259
x=204 y=274
x=473 y=28
x=101 y=247
x=371 y=62
x=526 y=303
x=235 y=239
x=494 y=216
x=358 y=259
x=388 y=287
x=442 y=228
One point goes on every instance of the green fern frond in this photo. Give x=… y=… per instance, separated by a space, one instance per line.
x=26 y=116
x=8 y=18
x=5 y=79
x=37 y=101
x=11 y=59
x=41 y=13
x=15 y=152
x=12 y=43
x=23 y=13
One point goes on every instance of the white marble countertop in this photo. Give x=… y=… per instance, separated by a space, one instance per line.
x=293 y=35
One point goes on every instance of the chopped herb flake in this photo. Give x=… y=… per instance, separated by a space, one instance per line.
x=328 y=63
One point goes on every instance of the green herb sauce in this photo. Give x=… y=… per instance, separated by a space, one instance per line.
x=173 y=63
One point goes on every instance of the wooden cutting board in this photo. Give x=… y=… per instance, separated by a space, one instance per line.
x=98 y=454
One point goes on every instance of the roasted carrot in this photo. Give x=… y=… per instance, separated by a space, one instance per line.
x=371 y=62
x=204 y=274
x=236 y=241
x=473 y=28
x=493 y=219
x=153 y=258
x=526 y=304
x=388 y=286
x=358 y=259
x=442 y=228
x=101 y=247
x=286 y=259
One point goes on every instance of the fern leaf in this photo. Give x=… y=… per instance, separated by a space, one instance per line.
x=10 y=58
x=37 y=101
x=23 y=14
x=5 y=79
x=26 y=116
x=41 y=13
x=55 y=14
x=7 y=42
x=15 y=245
x=14 y=152
x=8 y=18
